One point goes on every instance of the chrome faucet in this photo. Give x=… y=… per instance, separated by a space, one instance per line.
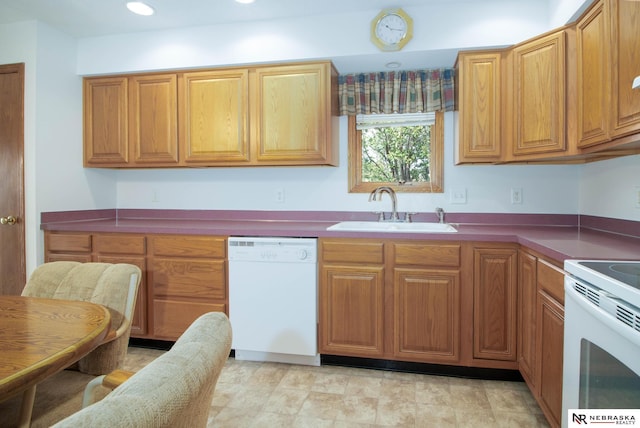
x=376 y=195
x=440 y=213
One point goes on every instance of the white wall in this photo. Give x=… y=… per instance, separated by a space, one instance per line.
x=611 y=188
x=546 y=189
x=54 y=177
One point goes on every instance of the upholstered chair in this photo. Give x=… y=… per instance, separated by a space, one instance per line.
x=174 y=390
x=114 y=286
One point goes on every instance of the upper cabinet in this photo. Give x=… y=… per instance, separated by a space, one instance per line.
x=539 y=95
x=625 y=45
x=608 y=42
x=564 y=96
x=271 y=115
x=479 y=98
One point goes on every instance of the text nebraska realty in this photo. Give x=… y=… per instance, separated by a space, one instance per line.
x=604 y=419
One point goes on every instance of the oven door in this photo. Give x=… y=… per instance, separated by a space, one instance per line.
x=601 y=368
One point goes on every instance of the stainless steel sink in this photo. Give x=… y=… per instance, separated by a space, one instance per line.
x=395 y=227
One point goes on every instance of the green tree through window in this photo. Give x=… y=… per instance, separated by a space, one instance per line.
x=397 y=154
x=397 y=150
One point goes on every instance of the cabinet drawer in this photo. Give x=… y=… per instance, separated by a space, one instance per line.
x=70 y=242
x=187 y=246
x=440 y=255
x=551 y=280
x=119 y=244
x=191 y=279
x=352 y=252
x=172 y=318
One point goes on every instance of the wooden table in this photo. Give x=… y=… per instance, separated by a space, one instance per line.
x=40 y=337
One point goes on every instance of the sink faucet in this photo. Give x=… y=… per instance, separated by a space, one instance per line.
x=440 y=213
x=376 y=195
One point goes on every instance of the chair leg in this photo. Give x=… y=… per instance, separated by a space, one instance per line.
x=28 y=397
x=87 y=397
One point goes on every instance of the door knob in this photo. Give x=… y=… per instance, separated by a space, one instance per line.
x=8 y=220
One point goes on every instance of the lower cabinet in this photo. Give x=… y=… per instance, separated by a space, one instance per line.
x=352 y=298
x=187 y=278
x=183 y=276
x=419 y=301
x=495 y=281
x=541 y=334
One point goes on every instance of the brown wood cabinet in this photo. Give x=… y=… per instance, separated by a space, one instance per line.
x=494 y=302
x=608 y=39
x=130 y=121
x=564 y=96
x=258 y=116
x=539 y=95
x=126 y=248
x=541 y=334
x=104 y=248
x=527 y=295
x=187 y=278
x=550 y=340
x=351 y=298
x=183 y=276
x=214 y=116
x=421 y=301
x=593 y=83
x=426 y=302
x=480 y=106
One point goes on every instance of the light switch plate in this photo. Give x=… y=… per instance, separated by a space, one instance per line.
x=458 y=195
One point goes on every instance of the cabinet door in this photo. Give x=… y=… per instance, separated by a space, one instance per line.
x=126 y=248
x=494 y=296
x=352 y=311
x=539 y=95
x=550 y=341
x=527 y=293
x=427 y=315
x=594 y=76
x=214 y=117
x=292 y=111
x=625 y=45
x=106 y=121
x=153 y=119
x=479 y=105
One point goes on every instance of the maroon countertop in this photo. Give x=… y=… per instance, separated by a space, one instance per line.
x=557 y=236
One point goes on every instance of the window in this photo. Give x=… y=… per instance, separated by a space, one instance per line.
x=402 y=151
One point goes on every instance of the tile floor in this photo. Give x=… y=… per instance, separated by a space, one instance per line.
x=252 y=394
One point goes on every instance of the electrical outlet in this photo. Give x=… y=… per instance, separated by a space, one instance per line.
x=154 y=196
x=458 y=195
x=516 y=195
x=636 y=196
x=278 y=195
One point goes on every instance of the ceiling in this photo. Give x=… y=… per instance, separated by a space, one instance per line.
x=86 y=18
x=90 y=18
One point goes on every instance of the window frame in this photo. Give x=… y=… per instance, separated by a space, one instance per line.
x=435 y=185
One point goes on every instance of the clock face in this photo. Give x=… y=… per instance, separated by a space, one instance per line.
x=391 y=29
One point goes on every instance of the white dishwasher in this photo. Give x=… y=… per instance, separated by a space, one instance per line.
x=273 y=294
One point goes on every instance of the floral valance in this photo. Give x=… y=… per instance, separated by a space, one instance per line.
x=417 y=91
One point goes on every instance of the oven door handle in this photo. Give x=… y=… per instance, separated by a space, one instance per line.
x=616 y=325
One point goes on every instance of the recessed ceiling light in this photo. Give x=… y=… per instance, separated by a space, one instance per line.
x=393 y=64
x=245 y=1
x=140 y=8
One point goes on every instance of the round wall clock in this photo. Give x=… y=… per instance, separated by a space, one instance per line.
x=391 y=29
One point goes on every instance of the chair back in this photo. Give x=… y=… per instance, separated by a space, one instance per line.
x=114 y=286
x=174 y=390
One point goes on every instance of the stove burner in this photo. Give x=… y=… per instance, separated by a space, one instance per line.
x=625 y=272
